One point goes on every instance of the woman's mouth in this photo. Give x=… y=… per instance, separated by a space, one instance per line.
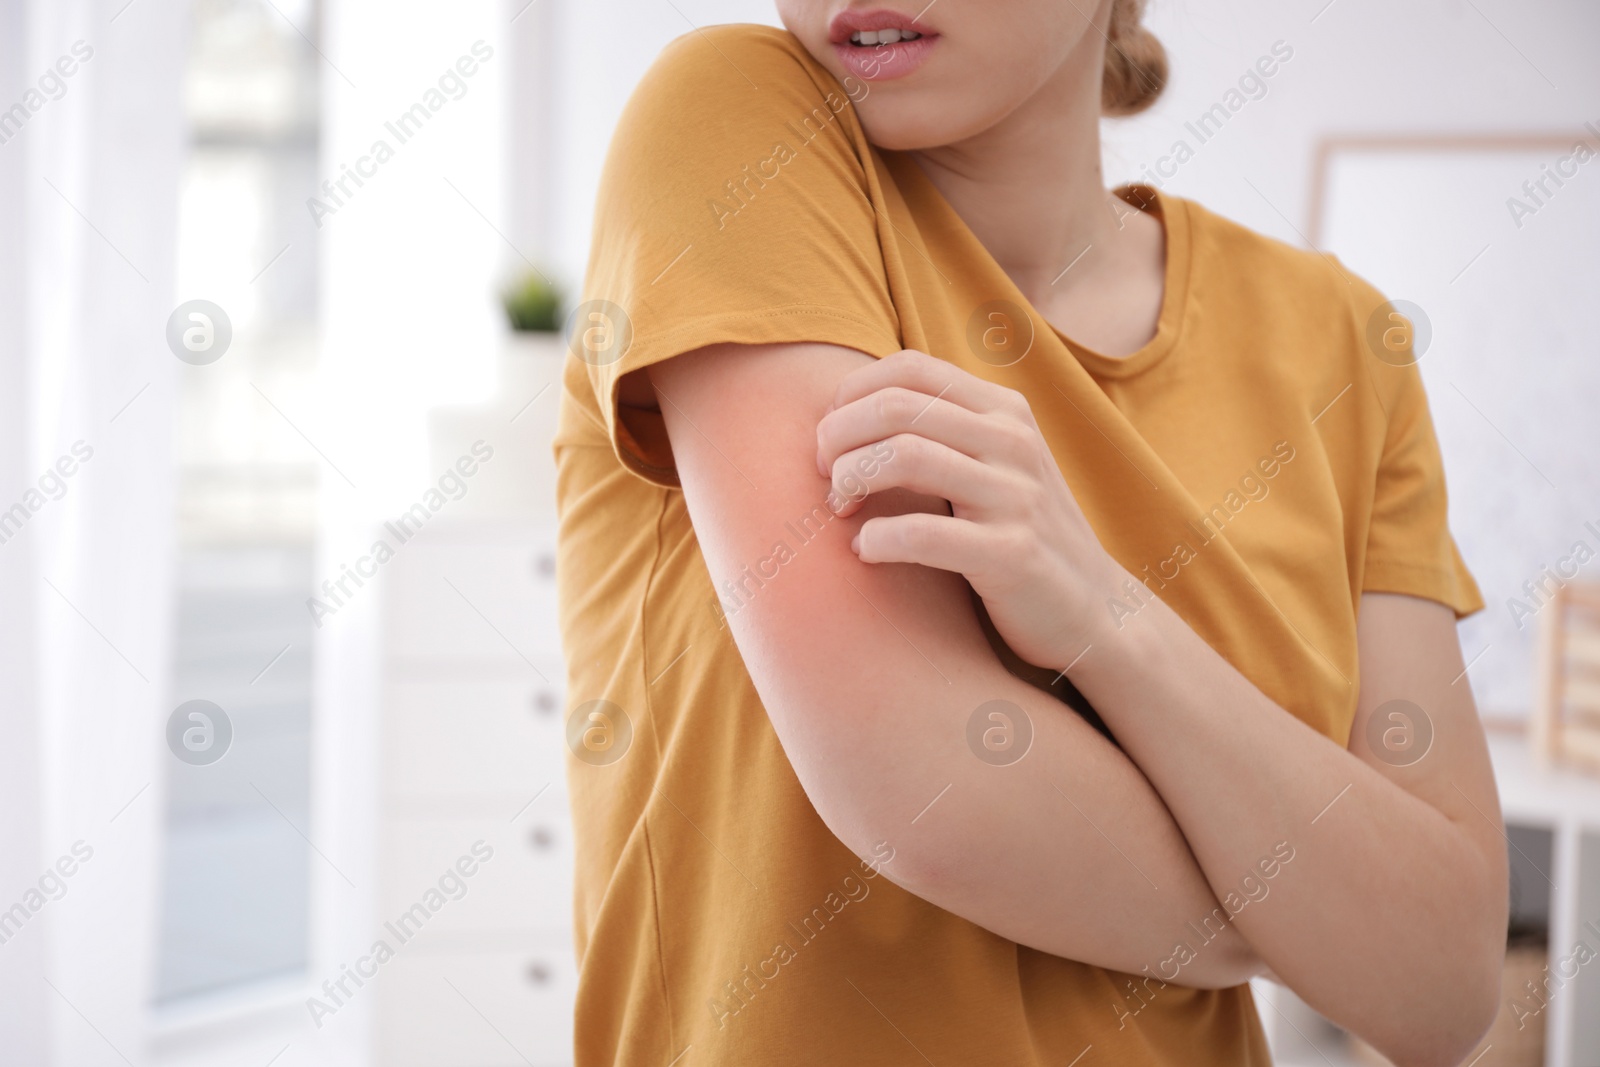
x=871 y=37
x=880 y=45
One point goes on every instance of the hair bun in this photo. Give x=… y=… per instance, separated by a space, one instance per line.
x=1136 y=62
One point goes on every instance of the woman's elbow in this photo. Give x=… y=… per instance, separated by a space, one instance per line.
x=1470 y=1009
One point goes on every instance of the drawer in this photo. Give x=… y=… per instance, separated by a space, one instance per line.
x=474 y=599
x=462 y=734
x=524 y=885
x=509 y=1008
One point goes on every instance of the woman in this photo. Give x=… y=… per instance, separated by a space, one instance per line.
x=1003 y=615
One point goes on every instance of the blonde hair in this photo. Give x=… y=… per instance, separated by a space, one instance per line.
x=1136 y=64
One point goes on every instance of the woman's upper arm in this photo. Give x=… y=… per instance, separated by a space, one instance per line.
x=827 y=639
x=1416 y=722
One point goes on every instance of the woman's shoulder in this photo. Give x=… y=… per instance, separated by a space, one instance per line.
x=722 y=76
x=1315 y=286
x=720 y=114
x=1254 y=257
x=1304 y=307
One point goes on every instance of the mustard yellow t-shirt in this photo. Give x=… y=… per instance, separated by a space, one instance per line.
x=1258 y=464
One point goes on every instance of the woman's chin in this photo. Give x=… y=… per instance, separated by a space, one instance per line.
x=902 y=129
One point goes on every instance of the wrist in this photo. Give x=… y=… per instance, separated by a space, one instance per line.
x=1113 y=627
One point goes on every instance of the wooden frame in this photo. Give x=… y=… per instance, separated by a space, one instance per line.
x=1566 y=714
x=1329 y=147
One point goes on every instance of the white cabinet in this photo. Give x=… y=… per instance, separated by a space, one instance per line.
x=523 y=889
x=508 y=1005
x=453 y=731
x=475 y=591
x=472 y=777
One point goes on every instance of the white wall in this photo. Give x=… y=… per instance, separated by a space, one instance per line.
x=601 y=48
x=1361 y=67
x=22 y=994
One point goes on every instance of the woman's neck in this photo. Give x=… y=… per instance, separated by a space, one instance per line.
x=1031 y=190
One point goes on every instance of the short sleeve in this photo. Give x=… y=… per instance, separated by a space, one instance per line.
x=1409 y=545
x=737 y=205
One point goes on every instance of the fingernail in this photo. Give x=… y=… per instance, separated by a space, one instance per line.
x=855 y=544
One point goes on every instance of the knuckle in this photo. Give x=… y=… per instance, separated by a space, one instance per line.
x=1019 y=543
x=918 y=366
x=908 y=450
x=1015 y=440
x=895 y=406
x=1022 y=437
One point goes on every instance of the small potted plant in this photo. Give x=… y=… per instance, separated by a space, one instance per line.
x=518 y=415
x=533 y=304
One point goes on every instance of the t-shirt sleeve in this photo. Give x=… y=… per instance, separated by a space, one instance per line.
x=736 y=205
x=1409 y=545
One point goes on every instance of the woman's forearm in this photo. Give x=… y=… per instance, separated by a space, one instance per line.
x=1069 y=850
x=1391 y=916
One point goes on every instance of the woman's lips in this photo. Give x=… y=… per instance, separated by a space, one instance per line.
x=881 y=62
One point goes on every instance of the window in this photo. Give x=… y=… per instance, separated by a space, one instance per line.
x=235 y=898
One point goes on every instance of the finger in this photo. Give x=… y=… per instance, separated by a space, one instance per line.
x=922 y=373
x=909 y=461
x=880 y=415
x=941 y=541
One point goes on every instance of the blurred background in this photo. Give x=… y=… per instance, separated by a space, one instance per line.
x=281 y=291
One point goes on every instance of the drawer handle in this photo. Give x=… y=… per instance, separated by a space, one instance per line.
x=545 y=702
x=544 y=565
x=541 y=838
x=538 y=973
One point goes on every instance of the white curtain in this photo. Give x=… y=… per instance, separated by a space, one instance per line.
x=88 y=200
